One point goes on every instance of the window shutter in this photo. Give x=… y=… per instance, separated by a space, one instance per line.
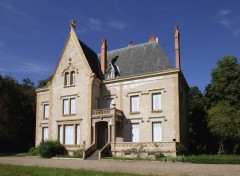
x=73 y=106
x=65 y=106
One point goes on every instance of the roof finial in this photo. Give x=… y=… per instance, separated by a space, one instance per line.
x=72 y=24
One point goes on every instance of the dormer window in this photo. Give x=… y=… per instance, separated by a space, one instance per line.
x=72 y=78
x=66 y=79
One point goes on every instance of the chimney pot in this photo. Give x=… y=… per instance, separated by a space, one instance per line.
x=130 y=44
x=152 y=38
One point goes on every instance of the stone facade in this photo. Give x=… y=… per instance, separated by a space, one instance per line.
x=79 y=116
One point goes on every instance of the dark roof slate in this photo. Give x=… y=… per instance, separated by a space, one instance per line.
x=140 y=59
x=92 y=58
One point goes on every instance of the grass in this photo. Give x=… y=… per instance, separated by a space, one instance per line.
x=213 y=159
x=200 y=159
x=9 y=170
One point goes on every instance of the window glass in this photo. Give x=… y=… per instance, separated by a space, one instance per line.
x=46 y=111
x=65 y=106
x=72 y=80
x=60 y=134
x=134 y=103
x=110 y=102
x=77 y=134
x=157 y=131
x=72 y=102
x=156 y=101
x=45 y=134
x=69 y=134
x=135 y=132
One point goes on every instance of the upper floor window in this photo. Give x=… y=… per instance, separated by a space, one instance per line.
x=110 y=102
x=66 y=79
x=134 y=103
x=69 y=78
x=69 y=106
x=156 y=101
x=46 y=111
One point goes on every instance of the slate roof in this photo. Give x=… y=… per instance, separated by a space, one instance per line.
x=140 y=59
x=92 y=58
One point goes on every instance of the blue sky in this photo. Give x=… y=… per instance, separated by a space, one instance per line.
x=33 y=33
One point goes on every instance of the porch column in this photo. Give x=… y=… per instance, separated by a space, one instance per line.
x=109 y=133
x=94 y=134
x=113 y=133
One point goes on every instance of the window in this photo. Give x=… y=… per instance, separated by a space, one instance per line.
x=72 y=105
x=135 y=132
x=65 y=106
x=134 y=101
x=60 y=134
x=46 y=111
x=156 y=101
x=96 y=103
x=110 y=102
x=66 y=79
x=69 y=134
x=157 y=131
x=44 y=133
x=69 y=106
x=72 y=78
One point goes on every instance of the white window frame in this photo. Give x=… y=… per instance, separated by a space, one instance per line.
x=156 y=131
x=110 y=102
x=44 y=133
x=135 y=132
x=134 y=103
x=156 y=101
x=69 y=106
x=69 y=134
x=46 y=111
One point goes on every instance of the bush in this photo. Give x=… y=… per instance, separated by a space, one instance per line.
x=158 y=156
x=78 y=153
x=181 y=150
x=34 y=151
x=48 y=149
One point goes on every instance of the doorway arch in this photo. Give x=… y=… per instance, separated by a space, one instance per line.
x=101 y=134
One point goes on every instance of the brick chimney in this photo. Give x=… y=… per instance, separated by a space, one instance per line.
x=152 y=38
x=103 y=56
x=177 y=48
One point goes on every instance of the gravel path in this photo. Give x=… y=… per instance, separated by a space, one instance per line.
x=137 y=167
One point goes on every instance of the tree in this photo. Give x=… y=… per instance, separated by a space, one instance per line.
x=17 y=119
x=44 y=82
x=223 y=101
x=200 y=137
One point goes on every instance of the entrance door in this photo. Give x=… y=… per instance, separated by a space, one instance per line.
x=101 y=134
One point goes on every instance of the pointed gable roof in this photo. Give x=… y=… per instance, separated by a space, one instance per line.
x=92 y=58
x=140 y=59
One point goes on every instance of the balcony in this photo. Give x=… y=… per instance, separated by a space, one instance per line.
x=106 y=112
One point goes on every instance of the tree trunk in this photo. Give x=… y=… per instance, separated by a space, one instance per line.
x=220 y=146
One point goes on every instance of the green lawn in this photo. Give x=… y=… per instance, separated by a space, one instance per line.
x=10 y=170
x=213 y=159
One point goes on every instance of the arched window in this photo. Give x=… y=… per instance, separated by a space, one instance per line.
x=72 y=79
x=66 y=79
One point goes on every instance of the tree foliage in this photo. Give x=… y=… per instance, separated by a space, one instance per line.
x=223 y=101
x=17 y=119
x=44 y=82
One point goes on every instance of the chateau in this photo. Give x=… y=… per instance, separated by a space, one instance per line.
x=116 y=100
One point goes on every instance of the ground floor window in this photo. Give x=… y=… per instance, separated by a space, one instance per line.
x=44 y=133
x=69 y=134
x=157 y=131
x=135 y=132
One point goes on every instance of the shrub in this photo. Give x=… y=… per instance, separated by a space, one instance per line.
x=34 y=151
x=48 y=149
x=181 y=150
x=78 y=153
x=158 y=155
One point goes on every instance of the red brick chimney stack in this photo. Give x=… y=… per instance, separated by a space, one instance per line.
x=177 y=48
x=103 y=56
x=152 y=38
